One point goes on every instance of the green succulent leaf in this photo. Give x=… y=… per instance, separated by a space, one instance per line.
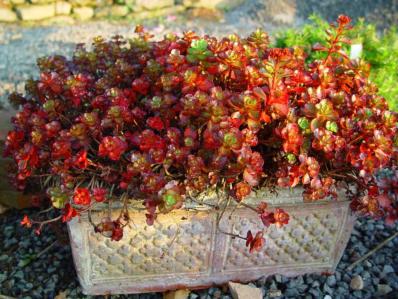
x=198 y=51
x=303 y=123
x=332 y=126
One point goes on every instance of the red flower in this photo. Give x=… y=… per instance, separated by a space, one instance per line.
x=155 y=123
x=68 y=213
x=26 y=221
x=81 y=196
x=255 y=243
x=281 y=217
x=81 y=160
x=99 y=194
x=113 y=147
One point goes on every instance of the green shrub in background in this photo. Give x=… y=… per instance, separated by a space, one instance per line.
x=380 y=50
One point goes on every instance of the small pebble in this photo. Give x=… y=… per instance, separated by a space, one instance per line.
x=273 y=293
x=357 y=283
x=331 y=280
x=388 y=269
x=383 y=289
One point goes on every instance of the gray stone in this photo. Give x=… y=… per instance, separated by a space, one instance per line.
x=358 y=294
x=327 y=289
x=365 y=275
x=35 y=12
x=315 y=292
x=347 y=278
x=388 y=269
x=274 y=293
x=278 y=278
x=63 y=8
x=4 y=257
x=383 y=289
x=7 y=15
x=3 y=276
x=83 y=13
x=367 y=264
x=341 y=290
x=331 y=280
x=379 y=259
x=19 y=274
x=154 y=4
x=292 y=293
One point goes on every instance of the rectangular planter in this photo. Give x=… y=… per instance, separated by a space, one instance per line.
x=186 y=248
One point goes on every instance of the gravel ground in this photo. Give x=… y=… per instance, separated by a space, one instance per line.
x=27 y=272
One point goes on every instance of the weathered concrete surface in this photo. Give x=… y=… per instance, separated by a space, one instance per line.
x=185 y=249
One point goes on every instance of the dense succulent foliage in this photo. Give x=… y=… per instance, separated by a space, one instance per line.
x=164 y=121
x=379 y=50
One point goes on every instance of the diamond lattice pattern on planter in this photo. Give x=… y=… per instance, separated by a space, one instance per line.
x=162 y=249
x=304 y=240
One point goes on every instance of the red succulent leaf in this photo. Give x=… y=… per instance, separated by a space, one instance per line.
x=249 y=238
x=242 y=190
x=81 y=159
x=68 y=213
x=256 y=243
x=81 y=196
x=267 y=218
x=112 y=147
x=99 y=194
x=281 y=217
x=26 y=221
x=155 y=123
x=117 y=232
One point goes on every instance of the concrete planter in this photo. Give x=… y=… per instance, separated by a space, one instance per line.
x=186 y=249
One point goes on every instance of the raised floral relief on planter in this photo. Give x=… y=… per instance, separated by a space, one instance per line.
x=161 y=122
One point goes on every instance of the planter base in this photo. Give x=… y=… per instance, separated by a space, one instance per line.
x=186 y=249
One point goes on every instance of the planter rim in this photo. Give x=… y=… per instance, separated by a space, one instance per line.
x=208 y=199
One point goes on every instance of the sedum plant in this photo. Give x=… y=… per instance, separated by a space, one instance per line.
x=163 y=121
